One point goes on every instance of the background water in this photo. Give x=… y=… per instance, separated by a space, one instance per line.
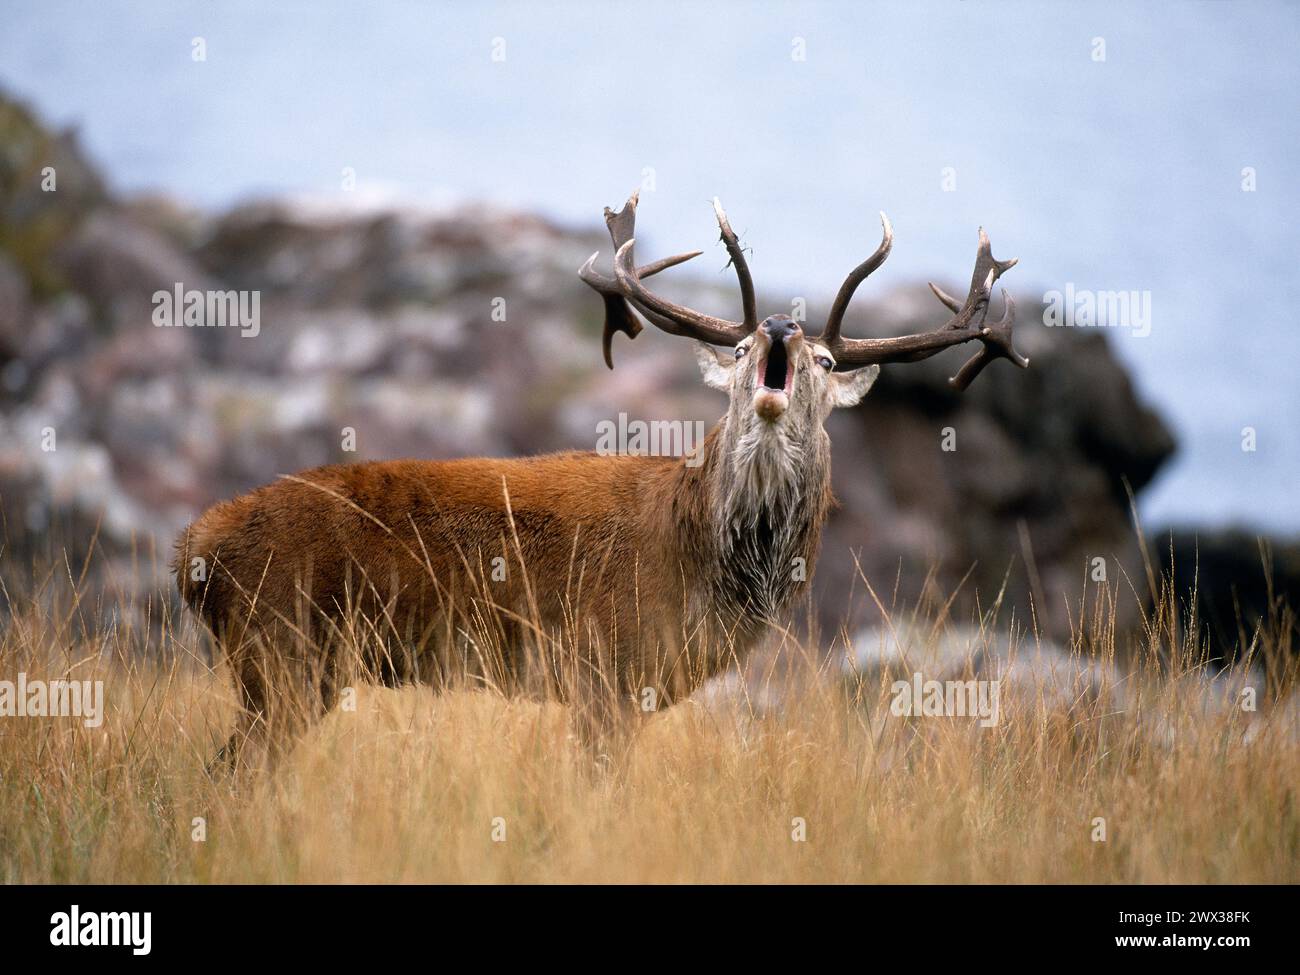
x=1122 y=174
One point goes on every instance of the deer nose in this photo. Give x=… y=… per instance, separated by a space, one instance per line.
x=780 y=327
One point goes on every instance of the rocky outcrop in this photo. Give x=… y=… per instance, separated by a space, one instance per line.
x=1243 y=591
x=1016 y=486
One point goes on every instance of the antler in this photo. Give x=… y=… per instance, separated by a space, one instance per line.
x=967 y=323
x=625 y=290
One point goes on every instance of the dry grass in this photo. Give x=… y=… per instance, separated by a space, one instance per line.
x=408 y=787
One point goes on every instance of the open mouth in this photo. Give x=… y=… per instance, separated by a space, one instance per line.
x=777 y=372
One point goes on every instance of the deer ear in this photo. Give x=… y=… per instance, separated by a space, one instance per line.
x=848 y=388
x=715 y=366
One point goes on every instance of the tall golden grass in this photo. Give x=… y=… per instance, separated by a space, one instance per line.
x=469 y=786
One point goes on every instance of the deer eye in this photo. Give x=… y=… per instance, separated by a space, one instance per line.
x=825 y=362
x=740 y=351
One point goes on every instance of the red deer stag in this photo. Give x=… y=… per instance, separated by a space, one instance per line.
x=605 y=579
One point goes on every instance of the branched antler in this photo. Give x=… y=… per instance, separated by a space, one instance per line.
x=624 y=291
x=967 y=323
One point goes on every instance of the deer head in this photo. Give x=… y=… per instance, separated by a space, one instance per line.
x=767 y=465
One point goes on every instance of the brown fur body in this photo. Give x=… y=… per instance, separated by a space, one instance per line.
x=608 y=574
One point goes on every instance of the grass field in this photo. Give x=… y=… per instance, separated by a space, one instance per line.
x=472 y=787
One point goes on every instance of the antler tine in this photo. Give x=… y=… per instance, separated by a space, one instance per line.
x=986 y=264
x=948 y=300
x=831 y=333
x=997 y=345
x=618 y=315
x=600 y=282
x=747 y=300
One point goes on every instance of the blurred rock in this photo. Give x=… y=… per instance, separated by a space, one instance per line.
x=1035 y=678
x=47 y=187
x=1030 y=489
x=118 y=263
x=1243 y=589
x=14 y=318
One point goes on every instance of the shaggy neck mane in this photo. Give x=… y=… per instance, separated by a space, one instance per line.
x=763 y=499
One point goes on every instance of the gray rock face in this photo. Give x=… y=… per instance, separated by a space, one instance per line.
x=1242 y=589
x=1018 y=481
x=467 y=332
